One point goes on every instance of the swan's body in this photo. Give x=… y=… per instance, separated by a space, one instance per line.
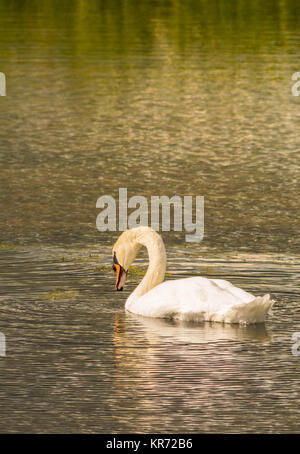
x=194 y=299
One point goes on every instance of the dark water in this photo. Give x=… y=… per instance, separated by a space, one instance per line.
x=164 y=98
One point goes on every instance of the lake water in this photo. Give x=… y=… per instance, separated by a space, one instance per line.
x=163 y=98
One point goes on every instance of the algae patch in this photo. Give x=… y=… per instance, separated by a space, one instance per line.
x=60 y=294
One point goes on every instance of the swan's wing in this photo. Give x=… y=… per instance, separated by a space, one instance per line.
x=230 y=289
x=196 y=295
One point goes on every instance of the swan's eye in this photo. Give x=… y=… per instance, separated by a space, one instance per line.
x=114 y=268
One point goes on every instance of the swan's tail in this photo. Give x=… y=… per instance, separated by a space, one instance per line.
x=254 y=311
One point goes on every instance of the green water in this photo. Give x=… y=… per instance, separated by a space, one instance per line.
x=163 y=98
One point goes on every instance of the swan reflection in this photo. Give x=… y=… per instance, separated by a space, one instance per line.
x=161 y=364
x=130 y=327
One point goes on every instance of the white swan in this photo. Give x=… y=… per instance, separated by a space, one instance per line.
x=194 y=298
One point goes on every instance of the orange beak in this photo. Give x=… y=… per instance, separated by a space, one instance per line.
x=118 y=273
x=121 y=275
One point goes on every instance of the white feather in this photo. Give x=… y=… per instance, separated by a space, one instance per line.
x=191 y=299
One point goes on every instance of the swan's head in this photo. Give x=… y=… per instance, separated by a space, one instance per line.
x=124 y=252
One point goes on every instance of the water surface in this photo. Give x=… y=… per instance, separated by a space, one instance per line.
x=163 y=98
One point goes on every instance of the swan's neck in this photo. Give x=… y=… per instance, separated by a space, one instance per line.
x=157 y=265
